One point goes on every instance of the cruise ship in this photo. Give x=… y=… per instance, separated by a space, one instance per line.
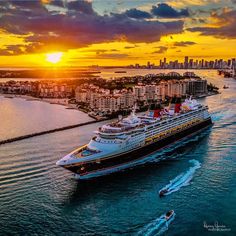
x=130 y=141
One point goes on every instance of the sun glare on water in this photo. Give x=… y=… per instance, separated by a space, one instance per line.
x=54 y=57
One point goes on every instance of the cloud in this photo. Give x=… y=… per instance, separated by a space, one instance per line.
x=162 y=49
x=11 y=50
x=137 y=14
x=97 y=51
x=129 y=47
x=110 y=56
x=57 y=3
x=183 y=43
x=163 y=10
x=81 y=6
x=18 y=49
x=76 y=25
x=113 y=56
x=226 y=26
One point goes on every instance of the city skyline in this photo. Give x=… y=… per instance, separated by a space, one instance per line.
x=105 y=33
x=189 y=63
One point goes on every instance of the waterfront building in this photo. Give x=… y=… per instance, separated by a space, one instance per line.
x=108 y=103
x=196 y=87
x=151 y=92
x=53 y=90
x=176 y=88
x=189 y=74
x=81 y=95
x=173 y=74
x=127 y=100
x=139 y=93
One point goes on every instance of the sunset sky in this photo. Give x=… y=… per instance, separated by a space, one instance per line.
x=104 y=32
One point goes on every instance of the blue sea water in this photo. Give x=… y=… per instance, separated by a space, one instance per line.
x=39 y=198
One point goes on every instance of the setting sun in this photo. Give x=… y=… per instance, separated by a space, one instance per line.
x=54 y=57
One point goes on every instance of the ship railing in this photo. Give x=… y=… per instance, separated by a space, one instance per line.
x=169 y=132
x=115 y=141
x=123 y=129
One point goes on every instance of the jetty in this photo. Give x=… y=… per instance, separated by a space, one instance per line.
x=11 y=140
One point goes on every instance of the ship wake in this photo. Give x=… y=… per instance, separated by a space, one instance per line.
x=156 y=227
x=181 y=180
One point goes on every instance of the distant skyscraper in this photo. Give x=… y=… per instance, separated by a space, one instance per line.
x=190 y=65
x=233 y=63
x=186 y=62
x=164 y=63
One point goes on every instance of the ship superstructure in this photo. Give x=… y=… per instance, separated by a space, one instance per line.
x=130 y=141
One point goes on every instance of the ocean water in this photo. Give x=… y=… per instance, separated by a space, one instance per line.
x=20 y=117
x=39 y=198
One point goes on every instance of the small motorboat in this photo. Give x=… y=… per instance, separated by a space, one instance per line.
x=225 y=87
x=169 y=215
x=163 y=192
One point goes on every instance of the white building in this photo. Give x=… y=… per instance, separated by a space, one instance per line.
x=127 y=100
x=140 y=93
x=107 y=103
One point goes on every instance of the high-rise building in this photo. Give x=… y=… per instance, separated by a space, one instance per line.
x=186 y=62
x=190 y=64
x=164 y=63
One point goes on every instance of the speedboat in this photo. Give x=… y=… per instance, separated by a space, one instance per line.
x=225 y=87
x=169 y=215
x=163 y=192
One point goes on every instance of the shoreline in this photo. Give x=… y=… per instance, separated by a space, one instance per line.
x=52 y=101
x=59 y=101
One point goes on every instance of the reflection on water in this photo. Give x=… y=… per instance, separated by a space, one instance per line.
x=39 y=198
x=19 y=117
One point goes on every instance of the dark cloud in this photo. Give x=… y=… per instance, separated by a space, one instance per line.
x=162 y=49
x=18 y=49
x=112 y=56
x=137 y=14
x=27 y=4
x=57 y=3
x=226 y=28
x=129 y=47
x=183 y=43
x=11 y=50
x=81 y=6
x=76 y=26
x=97 y=51
x=163 y=10
x=202 y=20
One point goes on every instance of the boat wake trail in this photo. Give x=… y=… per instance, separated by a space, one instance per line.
x=181 y=180
x=156 y=227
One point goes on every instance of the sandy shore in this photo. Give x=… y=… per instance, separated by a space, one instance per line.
x=57 y=101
